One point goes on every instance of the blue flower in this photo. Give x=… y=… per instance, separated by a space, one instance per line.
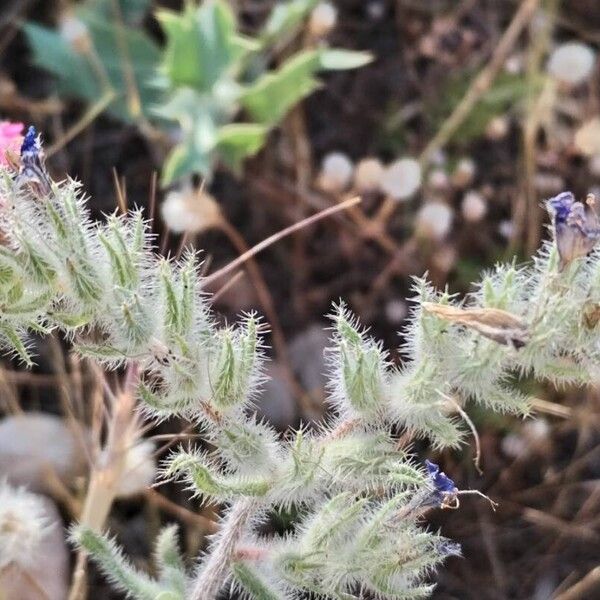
x=449 y=548
x=30 y=142
x=576 y=230
x=32 y=173
x=443 y=484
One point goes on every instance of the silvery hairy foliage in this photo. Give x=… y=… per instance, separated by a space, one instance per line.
x=359 y=494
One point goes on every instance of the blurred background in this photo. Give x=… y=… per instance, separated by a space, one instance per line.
x=230 y=121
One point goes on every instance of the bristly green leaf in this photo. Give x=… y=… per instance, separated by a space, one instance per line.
x=251 y=581
x=235 y=364
x=115 y=566
x=169 y=561
x=359 y=368
x=207 y=482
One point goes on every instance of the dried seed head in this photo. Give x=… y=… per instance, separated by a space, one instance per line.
x=23 y=524
x=401 y=179
x=571 y=63
x=493 y=323
x=190 y=210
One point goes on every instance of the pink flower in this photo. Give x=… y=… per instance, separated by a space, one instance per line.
x=10 y=139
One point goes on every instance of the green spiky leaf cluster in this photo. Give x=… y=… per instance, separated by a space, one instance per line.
x=209 y=82
x=360 y=494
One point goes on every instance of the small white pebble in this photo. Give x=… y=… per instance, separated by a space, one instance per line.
x=401 y=179
x=571 y=63
x=474 y=206
x=514 y=64
x=505 y=229
x=323 y=19
x=464 y=174
x=497 y=128
x=189 y=210
x=368 y=174
x=587 y=137
x=434 y=220
x=536 y=430
x=438 y=180
x=444 y=258
x=375 y=10
x=396 y=311
x=513 y=445
x=336 y=172
x=439 y=158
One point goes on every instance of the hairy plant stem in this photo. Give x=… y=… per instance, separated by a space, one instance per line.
x=214 y=572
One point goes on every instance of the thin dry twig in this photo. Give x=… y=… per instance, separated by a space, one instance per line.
x=240 y=260
x=482 y=83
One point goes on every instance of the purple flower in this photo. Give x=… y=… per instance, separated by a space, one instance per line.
x=443 y=484
x=576 y=229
